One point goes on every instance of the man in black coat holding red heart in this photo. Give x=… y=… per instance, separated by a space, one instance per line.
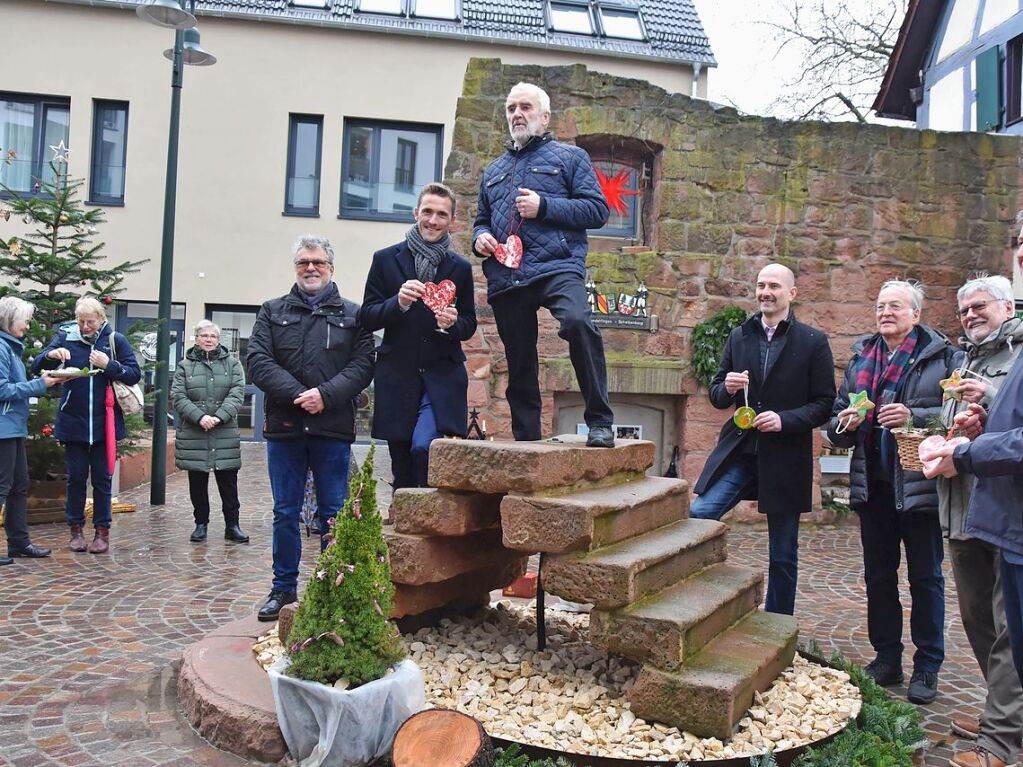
x=420 y=382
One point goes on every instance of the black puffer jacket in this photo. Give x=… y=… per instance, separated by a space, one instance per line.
x=918 y=390
x=294 y=347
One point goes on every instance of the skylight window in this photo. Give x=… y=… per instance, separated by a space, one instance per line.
x=392 y=7
x=569 y=17
x=309 y=3
x=436 y=9
x=621 y=22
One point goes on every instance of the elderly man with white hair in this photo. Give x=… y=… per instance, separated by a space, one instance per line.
x=898 y=369
x=536 y=202
x=992 y=339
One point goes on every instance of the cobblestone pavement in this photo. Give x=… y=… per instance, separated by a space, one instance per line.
x=89 y=645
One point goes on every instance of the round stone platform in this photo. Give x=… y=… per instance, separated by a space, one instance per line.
x=226 y=696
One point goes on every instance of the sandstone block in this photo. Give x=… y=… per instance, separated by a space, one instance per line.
x=414 y=600
x=670 y=626
x=226 y=696
x=592 y=518
x=428 y=511
x=619 y=574
x=285 y=620
x=716 y=688
x=529 y=467
x=416 y=560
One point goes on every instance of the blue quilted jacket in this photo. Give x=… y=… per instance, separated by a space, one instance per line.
x=571 y=202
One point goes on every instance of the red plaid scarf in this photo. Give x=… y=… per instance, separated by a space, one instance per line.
x=875 y=373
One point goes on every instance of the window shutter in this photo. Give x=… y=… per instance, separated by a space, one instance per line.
x=989 y=90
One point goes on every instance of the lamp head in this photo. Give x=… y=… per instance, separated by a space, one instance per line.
x=165 y=13
x=191 y=52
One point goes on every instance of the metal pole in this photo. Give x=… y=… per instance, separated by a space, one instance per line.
x=541 y=620
x=158 y=470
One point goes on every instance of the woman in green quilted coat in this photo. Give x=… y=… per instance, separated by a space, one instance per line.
x=208 y=391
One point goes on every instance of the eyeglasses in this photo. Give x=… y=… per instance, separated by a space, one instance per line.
x=976 y=308
x=208 y=335
x=304 y=263
x=892 y=306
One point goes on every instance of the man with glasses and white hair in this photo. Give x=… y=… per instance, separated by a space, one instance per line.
x=311 y=359
x=992 y=339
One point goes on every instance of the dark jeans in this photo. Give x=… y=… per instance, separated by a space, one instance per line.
x=884 y=531
x=737 y=481
x=564 y=296
x=198 y=491
x=410 y=461
x=14 y=492
x=287 y=461
x=1012 y=589
x=83 y=460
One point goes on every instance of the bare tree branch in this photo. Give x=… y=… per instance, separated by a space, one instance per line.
x=844 y=47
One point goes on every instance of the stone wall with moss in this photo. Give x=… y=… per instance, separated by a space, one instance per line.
x=846 y=206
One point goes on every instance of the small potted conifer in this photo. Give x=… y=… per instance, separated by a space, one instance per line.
x=345 y=685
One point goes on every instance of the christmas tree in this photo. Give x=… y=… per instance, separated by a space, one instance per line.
x=53 y=265
x=341 y=629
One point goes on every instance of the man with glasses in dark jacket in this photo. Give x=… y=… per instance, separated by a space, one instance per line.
x=536 y=202
x=311 y=360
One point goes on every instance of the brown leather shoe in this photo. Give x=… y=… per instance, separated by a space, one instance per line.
x=101 y=543
x=976 y=757
x=77 y=539
x=965 y=726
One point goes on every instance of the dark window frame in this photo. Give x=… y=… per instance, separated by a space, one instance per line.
x=42 y=103
x=644 y=157
x=294 y=120
x=621 y=7
x=637 y=168
x=95 y=198
x=1014 y=80
x=352 y=123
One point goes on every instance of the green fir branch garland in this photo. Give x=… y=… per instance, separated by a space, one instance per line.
x=709 y=341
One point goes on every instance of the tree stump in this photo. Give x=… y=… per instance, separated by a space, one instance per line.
x=441 y=737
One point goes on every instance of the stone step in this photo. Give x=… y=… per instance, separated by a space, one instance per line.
x=417 y=559
x=670 y=626
x=715 y=688
x=429 y=511
x=622 y=573
x=593 y=518
x=415 y=600
x=525 y=468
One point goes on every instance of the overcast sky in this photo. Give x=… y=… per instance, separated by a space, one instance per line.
x=748 y=74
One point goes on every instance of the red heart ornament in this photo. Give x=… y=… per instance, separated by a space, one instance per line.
x=510 y=252
x=439 y=297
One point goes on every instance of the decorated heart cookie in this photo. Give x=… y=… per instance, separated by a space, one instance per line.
x=509 y=252
x=438 y=297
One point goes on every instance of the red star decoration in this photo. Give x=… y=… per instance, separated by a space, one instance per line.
x=614 y=189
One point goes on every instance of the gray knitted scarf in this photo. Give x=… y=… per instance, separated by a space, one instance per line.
x=427 y=255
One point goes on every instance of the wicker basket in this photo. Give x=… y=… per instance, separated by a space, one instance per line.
x=908 y=442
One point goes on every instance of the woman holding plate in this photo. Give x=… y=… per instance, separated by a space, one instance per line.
x=15 y=391
x=898 y=369
x=90 y=355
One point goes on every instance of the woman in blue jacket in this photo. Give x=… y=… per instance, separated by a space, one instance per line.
x=15 y=391
x=92 y=344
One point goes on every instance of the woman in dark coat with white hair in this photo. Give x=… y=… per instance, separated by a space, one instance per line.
x=15 y=390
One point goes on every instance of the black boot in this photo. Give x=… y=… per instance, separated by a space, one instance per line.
x=199 y=534
x=274 y=602
x=236 y=534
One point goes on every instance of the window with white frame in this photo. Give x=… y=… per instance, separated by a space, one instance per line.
x=621 y=22
x=389 y=7
x=435 y=9
x=574 y=18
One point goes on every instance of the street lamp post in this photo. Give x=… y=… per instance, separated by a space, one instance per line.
x=186 y=50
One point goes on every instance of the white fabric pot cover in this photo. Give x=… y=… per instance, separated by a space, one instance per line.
x=344 y=728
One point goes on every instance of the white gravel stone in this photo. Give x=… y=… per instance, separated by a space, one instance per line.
x=571 y=696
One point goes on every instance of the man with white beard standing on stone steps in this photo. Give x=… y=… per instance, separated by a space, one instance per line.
x=536 y=202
